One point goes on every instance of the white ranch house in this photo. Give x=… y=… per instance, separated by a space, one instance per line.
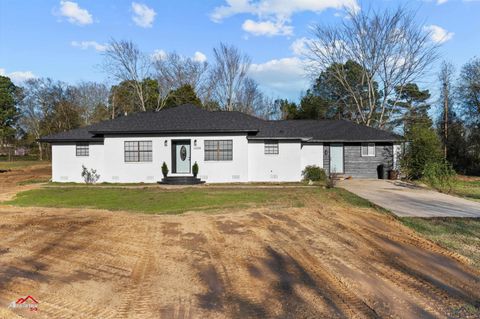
x=227 y=146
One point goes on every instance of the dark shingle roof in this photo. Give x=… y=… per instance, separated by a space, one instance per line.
x=325 y=130
x=191 y=119
x=76 y=135
x=185 y=118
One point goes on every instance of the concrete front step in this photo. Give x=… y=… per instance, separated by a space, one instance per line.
x=181 y=180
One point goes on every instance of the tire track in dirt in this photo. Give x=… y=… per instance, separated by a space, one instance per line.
x=137 y=295
x=408 y=237
x=336 y=289
x=400 y=276
x=216 y=275
x=425 y=244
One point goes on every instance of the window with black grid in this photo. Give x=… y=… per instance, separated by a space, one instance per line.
x=218 y=150
x=138 y=151
x=82 y=149
x=271 y=147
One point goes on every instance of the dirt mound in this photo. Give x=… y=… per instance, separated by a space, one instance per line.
x=317 y=261
x=10 y=181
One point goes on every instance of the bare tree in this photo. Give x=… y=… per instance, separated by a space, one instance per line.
x=249 y=98
x=32 y=108
x=125 y=62
x=445 y=77
x=469 y=90
x=47 y=107
x=173 y=71
x=228 y=75
x=90 y=96
x=392 y=49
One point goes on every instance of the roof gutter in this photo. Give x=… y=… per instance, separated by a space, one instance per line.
x=303 y=139
x=69 y=140
x=358 y=141
x=170 y=132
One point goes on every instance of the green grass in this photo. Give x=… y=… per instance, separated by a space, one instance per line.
x=157 y=200
x=461 y=235
x=20 y=164
x=467 y=189
x=103 y=184
x=34 y=181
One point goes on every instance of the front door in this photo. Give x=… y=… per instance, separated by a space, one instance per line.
x=336 y=158
x=181 y=156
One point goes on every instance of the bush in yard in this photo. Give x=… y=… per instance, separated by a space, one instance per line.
x=439 y=175
x=164 y=169
x=195 y=169
x=332 y=180
x=314 y=173
x=89 y=176
x=423 y=147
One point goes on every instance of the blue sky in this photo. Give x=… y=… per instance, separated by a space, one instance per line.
x=64 y=39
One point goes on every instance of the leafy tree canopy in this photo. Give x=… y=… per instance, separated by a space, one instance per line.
x=183 y=95
x=8 y=109
x=410 y=107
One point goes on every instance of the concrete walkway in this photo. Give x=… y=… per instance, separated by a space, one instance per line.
x=405 y=199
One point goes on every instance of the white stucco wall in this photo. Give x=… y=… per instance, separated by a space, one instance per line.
x=282 y=167
x=67 y=167
x=312 y=154
x=249 y=161
x=118 y=170
x=109 y=161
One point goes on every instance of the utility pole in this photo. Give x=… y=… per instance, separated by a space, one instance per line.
x=445 y=118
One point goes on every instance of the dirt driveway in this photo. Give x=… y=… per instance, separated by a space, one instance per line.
x=318 y=261
x=404 y=199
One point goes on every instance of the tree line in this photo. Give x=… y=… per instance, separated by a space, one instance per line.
x=367 y=69
x=44 y=106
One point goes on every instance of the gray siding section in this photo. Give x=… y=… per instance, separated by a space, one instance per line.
x=326 y=158
x=359 y=166
x=362 y=167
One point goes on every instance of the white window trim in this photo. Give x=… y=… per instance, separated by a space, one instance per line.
x=219 y=150
x=138 y=151
x=367 y=147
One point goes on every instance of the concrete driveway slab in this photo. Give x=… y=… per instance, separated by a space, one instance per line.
x=405 y=199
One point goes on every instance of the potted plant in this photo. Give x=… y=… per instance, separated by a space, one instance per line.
x=164 y=170
x=195 y=169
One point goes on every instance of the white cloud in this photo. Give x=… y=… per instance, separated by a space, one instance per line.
x=158 y=55
x=438 y=34
x=199 y=57
x=74 y=14
x=285 y=77
x=267 y=28
x=143 y=16
x=441 y=1
x=274 y=14
x=278 y=8
x=84 y=45
x=300 y=46
x=18 y=77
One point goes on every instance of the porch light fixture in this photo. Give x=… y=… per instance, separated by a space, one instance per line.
x=194 y=142
x=165 y=143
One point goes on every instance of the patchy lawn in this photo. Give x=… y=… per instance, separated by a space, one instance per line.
x=461 y=235
x=159 y=200
x=34 y=181
x=326 y=259
x=467 y=187
x=13 y=165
